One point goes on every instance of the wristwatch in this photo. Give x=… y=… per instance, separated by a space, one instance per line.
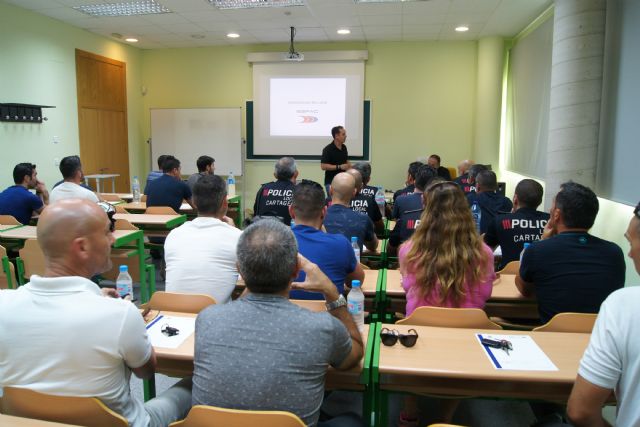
x=340 y=302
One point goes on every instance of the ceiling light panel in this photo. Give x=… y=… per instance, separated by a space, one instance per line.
x=143 y=7
x=247 y=4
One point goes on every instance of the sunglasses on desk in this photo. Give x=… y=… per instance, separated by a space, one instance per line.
x=390 y=337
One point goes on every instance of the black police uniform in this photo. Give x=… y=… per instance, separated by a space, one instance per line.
x=463 y=182
x=274 y=199
x=409 y=210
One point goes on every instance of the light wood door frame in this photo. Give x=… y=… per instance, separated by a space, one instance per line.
x=102 y=116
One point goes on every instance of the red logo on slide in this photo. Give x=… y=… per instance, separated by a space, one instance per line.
x=308 y=119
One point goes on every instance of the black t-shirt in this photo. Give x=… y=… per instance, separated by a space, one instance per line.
x=409 y=210
x=491 y=204
x=406 y=190
x=511 y=231
x=366 y=205
x=167 y=191
x=463 y=182
x=369 y=190
x=333 y=156
x=274 y=199
x=572 y=272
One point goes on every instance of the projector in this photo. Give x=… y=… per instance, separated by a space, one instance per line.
x=293 y=56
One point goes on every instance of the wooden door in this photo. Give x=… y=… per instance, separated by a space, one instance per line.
x=102 y=118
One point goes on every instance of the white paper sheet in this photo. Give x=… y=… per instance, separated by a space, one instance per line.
x=186 y=326
x=525 y=356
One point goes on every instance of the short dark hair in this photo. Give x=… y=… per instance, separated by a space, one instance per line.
x=435 y=156
x=161 y=159
x=170 y=163
x=203 y=162
x=21 y=170
x=267 y=256
x=336 y=130
x=209 y=192
x=529 y=193
x=365 y=171
x=474 y=170
x=285 y=168
x=579 y=205
x=487 y=180
x=424 y=175
x=413 y=168
x=69 y=166
x=308 y=199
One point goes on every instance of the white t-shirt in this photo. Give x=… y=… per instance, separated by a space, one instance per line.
x=61 y=336
x=201 y=258
x=71 y=190
x=612 y=359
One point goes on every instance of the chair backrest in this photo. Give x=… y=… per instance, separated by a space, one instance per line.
x=206 y=416
x=33 y=258
x=512 y=267
x=81 y=411
x=184 y=303
x=569 y=322
x=450 y=318
x=9 y=220
x=143 y=198
x=4 y=281
x=453 y=172
x=123 y=224
x=121 y=209
x=160 y=210
x=365 y=267
x=110 y=197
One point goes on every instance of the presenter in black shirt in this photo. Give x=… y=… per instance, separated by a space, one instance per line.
x=335 y=156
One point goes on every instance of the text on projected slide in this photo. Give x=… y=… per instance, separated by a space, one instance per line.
x=306 y=106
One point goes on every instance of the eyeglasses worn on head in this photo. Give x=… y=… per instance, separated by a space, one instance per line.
x=390 y=337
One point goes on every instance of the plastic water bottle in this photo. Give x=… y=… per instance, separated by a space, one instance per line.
x=293 y=223
x=135 y=189
x=356 y=248
x=355 y=304
x=231 y=185
x=380 y=200
x=477 y=214
x=124 y=283
x=526 y=246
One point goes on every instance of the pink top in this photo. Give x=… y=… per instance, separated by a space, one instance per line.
x=476 y=294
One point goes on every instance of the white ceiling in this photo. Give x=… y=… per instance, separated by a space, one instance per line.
x=317 y=21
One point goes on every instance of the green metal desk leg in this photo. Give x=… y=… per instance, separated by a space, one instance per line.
x=149 y=388
x=150 y=271
x=144 y=289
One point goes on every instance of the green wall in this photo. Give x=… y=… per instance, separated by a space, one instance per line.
x=37 y=65
x=422 y=94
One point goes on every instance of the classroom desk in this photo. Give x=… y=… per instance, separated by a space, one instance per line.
x=450 y=361
x=100 y=176
x=23 y=232
x=179 y=361
x=10 y=421
x=8 y=226
x=122 y=196
x=153 y=221
x=142 y=206
x=506 y=301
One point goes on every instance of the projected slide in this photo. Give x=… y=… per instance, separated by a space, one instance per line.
x=306 y=106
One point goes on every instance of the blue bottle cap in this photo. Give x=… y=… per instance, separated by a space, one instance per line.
x=355 y=283
x=124 y=268
x=354 y=239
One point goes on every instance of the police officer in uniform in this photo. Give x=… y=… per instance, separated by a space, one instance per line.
x=411 y=177
x=368 y=190
x=366 y=204
x=274 y=198
x=524 y=224
x=408 y=209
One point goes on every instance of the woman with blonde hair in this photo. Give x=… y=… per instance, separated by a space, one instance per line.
x=444 y=264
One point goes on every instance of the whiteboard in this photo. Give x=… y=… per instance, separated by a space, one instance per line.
x=188 y=133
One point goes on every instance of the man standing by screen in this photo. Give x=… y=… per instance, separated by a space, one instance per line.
x=335 y=156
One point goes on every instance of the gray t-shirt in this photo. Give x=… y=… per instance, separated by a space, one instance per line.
x=191 y=181
x=262 y=352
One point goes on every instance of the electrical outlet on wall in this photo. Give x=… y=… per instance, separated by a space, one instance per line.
x=56 y=139
x=56 y=162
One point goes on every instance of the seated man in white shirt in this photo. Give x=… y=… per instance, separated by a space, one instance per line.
x=60 y=335
x=201 y=254
x=71 y=170
x=612 y=360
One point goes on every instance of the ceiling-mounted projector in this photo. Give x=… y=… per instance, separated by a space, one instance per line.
x=292 y=55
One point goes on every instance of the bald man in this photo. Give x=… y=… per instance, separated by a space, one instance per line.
x=340 y=219
x=366 y=204
x=60 y=335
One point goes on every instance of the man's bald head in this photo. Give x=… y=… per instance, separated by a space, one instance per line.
x=357 y=176
x=73 y=233
x=464 y=166
x=343 y=187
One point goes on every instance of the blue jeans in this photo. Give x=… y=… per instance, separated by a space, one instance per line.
x=170 y=406
x=344 y=420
